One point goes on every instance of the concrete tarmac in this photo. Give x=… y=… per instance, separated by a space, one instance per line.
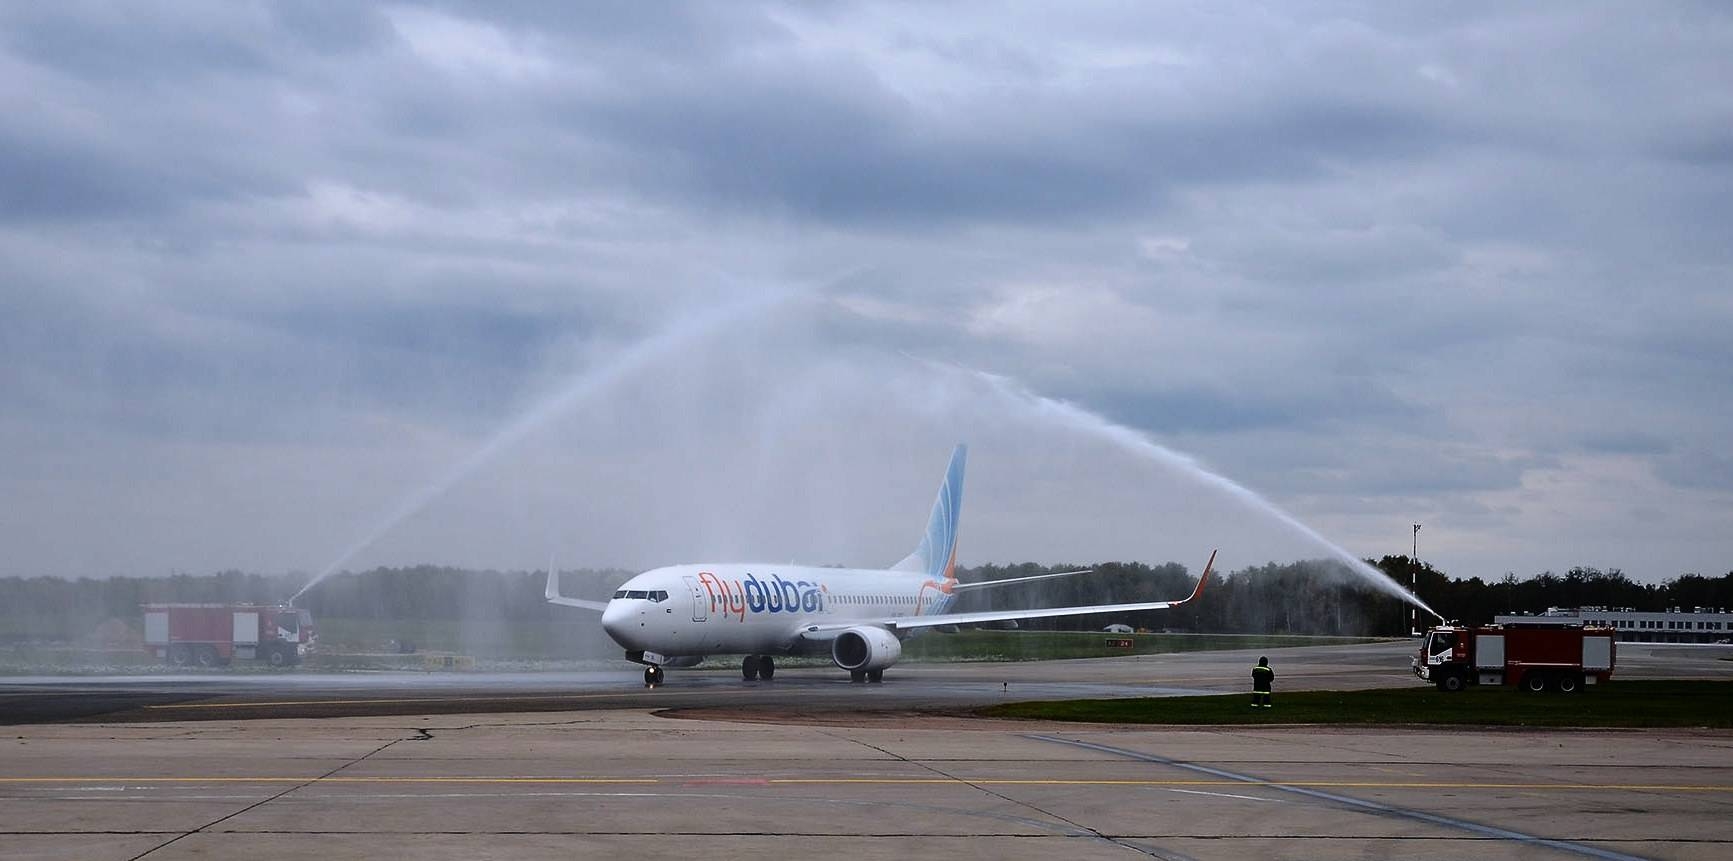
x=626 y=784
x=849 y=770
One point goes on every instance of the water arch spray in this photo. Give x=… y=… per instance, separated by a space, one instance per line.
x=1078 y=419
x=589 y=384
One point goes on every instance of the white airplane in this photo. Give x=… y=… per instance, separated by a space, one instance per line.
x=676 y=616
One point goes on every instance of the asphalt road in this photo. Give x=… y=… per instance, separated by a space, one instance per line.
x=795 y=691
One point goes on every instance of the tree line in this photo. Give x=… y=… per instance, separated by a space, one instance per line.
x=1307 y=597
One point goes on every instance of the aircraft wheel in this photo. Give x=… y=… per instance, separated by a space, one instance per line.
x=749 y=668
x=654 y=676
x=855 y=677
x=876 y=677
x=766 y=668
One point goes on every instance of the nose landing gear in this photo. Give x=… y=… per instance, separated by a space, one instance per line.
x=653 y=676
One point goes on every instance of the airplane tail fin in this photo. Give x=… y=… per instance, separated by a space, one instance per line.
x=937 y=554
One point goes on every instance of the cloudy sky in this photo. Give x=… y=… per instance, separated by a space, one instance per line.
x=635 y=284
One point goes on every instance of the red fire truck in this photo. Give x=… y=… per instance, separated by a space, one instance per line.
x=1537 y=657
x=211 y=635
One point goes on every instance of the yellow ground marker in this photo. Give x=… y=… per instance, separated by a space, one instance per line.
x=890 y=781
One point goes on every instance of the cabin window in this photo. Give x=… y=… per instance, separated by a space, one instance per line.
x=1442 y=644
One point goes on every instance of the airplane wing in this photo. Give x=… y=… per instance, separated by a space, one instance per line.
x=988 y=584
x=552 y=593
x=902 y=623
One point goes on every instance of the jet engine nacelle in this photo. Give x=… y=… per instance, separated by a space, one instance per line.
x=865 y=648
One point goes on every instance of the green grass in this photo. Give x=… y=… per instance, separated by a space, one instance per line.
x=1616 y=704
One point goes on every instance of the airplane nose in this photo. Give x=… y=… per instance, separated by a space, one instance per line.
x=615 y=619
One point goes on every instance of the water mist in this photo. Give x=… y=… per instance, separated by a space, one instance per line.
x=592 y=382
x=1078 y=419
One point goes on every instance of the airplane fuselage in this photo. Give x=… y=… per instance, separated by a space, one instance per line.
x=691 y=610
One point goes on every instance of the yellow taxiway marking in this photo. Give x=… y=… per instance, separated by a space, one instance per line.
x=893 y=781
x=243 y=704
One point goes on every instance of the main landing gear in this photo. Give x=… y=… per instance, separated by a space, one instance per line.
x=757 y=667
x=653 y=676
x=858 y=676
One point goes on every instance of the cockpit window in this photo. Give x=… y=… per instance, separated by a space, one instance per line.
x=659 y=596
x=637 y=593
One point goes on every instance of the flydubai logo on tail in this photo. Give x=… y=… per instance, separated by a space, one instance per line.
x=736 y=598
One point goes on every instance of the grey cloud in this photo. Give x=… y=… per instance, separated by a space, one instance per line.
x=69 y=179
x=331 y=28
x=41 y=179
x=108 y=43
x=1368 y=258
x=1697 y=469
x=830 y=142
x=1625 y=442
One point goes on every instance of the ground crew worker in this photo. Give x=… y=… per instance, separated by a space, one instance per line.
x=1262 y=676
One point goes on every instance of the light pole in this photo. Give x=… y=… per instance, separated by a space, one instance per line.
x=1414 y=582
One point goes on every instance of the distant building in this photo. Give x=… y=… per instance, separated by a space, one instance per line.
x=1697 y=625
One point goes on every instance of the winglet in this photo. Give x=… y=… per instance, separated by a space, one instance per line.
x=552 y=594
x=1205 y=578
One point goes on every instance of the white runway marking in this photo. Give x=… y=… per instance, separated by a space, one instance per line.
x=1222 y=795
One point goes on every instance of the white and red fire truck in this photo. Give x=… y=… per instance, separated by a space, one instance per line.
x=1534 y=657
x=211 y=635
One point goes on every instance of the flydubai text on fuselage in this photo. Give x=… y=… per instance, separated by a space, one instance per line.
x=675 y=616
x=757 y=609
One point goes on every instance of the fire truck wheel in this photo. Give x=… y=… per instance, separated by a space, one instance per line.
x=1534 y=682
x=275 y=657
x=1451 y=683
x=180 y=655
x=206 y=656
x=1569 y=683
